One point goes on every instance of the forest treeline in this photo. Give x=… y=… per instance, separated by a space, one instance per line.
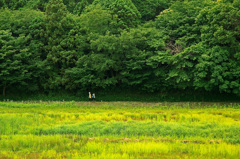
x=144 y=45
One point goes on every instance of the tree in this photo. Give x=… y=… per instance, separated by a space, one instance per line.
x=20 y=65
x=13 y=4
x=79 y=8
x=59 y=46
x=93 y=64
x=125 y=10
x=180 y=32
x=219 y=25
x=145 y=59
x=149 y=9
x=218 y=66
x=97 y=21
x=37 y=4
x=127 y=13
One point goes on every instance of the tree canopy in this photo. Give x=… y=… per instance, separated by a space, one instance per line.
x=148 y=46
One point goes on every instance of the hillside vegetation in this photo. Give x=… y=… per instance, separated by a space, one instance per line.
x=146 y=46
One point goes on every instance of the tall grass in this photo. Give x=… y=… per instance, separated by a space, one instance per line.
x=119 y=130
x=70 y=146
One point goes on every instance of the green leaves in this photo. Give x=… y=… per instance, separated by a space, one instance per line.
x=149 y=9
x=114 y=44
x=17 y=62
x=126 y=12
x=98 y=21
x=219 y=24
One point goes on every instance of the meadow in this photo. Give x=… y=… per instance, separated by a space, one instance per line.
x=119 y=130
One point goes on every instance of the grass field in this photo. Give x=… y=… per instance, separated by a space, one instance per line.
x=119 y=130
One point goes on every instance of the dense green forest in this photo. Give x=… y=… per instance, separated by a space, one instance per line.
x=146 y=46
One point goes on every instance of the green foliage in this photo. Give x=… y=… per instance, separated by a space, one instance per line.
x=16 y=67
x=60 y=45
x=37 y=4
x=98 y=21
x=219 y=28
x=20 y=65
x=144 y=60
x=79 y=8
x=220 y=34
x=148 y=46
x=12 y=4
x=126 y=12
x=149 y=9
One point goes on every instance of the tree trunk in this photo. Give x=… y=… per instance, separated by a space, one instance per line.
x=4 y=91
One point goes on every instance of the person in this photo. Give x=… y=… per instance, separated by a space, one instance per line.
x=93 y=96
x=89 y=96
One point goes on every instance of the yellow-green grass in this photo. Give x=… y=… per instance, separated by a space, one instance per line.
x=119 y=130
